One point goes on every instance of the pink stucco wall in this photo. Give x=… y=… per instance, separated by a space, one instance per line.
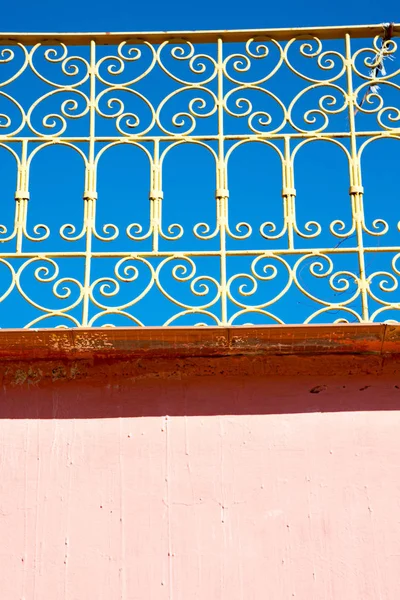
x=253 y=488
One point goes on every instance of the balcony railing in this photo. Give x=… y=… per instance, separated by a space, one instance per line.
x=269 y=161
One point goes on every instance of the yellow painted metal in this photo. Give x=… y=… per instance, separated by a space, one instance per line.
x=226 y=67
x=209 y=36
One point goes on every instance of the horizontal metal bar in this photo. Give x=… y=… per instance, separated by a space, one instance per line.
x=202 y=253
x=204 y=36
x=395 y=132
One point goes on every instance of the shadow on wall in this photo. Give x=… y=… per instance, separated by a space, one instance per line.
x=218 y=394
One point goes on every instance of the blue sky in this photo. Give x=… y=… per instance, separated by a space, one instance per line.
x=159 y=15
x=321 y=173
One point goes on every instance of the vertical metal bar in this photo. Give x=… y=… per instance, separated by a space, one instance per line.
x=222 y=192
x=155 y=196
x=288 y=193
x=21 y=197
x=90 y=191
x=356 y=189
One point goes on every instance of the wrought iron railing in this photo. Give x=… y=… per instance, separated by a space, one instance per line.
x=261 y=257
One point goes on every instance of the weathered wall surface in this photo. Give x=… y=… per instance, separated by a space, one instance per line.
x=252 y=488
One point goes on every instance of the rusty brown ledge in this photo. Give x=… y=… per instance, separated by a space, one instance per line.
x=176 y=342
x=123 y=356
